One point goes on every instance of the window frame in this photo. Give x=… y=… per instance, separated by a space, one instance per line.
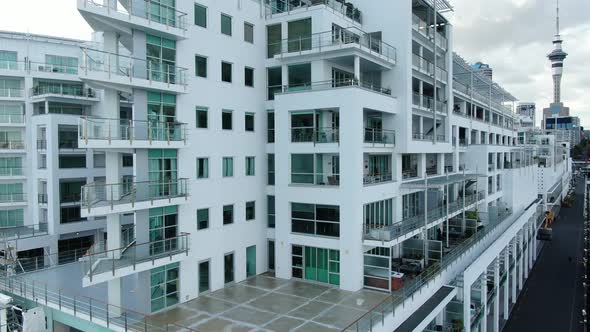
x=247 y=165
x=252 y=205
x=206 y=66
x=231 y=72
x=246 y=69
x=199 y=228
x=223 y=15
x=205 y=110
x=231 y=114
x=232 y=221
x=225 y=171
x=195 y=15
x=251 y=26
x=206 y=172
x=246 y=116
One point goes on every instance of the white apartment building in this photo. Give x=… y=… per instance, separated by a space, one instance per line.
x=265 y=165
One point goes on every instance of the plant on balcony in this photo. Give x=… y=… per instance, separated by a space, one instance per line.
x=474 y=215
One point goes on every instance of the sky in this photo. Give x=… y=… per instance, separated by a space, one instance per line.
x=513 y=36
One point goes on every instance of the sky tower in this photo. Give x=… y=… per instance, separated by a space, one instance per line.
x=557 y=57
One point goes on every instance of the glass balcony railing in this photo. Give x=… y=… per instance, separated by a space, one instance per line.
x=286 y=6
x=98 y=261
x=156 y=12
x=11 y=171
x=370 y=179
x=332 y=84
x=12 y=93
x=131 y=68
x=23 y=232
x=410 y=173
x=12 y=65
x=42 y=198
x=317 y=179
x=12 y=145
x=315 y=135
x=427 y=30
x=330 y=40
x=379 y=136
x=90 y=128
x=53 y=68
x=13 y=197
x=63 y=91
x=422 y=64
x=12 y=118
x=99 y=194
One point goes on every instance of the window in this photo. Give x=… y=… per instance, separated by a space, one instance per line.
x=200 y=66
x=12 y=218
x=8 y=60
x=11 y=192
x=200 y=16
x=60 y=64
x=249 y=76
x=270 y=126
x=99 y=160
x=250 y=166
x=274 y=37
x=228 y=268
x=226 y=24
x=249 y=122
x=70 y=215
x=271 y=255
x=248 y=32
x=163 y=229
x=228 y=167
x=271 y=169
x=299 y=77
x=250 y=210
x=202 y=118
x=274 y=81
x=299 y=35
x=204 y=276
x=70 y=191
x=316 y=264
x=226 y=71
x=226 y=120
x=165 y=286
x=202 y=168
x=202 y=219
x=228 y=214
x=270 y=211
x=323 y=220
x=72 y=161
x=161 y=58
x=127 y=160
x=161 y=110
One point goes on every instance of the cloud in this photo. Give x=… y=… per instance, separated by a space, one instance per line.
x=514 y=37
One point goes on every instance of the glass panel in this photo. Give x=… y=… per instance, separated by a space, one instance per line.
x=299 y=35
x=251 y=261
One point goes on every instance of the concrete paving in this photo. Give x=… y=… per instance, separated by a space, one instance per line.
x=551 y=298
x=264 y=303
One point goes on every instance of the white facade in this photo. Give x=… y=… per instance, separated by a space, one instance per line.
x=284 y=137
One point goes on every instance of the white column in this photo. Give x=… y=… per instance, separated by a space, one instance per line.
x=497 y=300
x=114 y=297
x=484 y=303
x=357 y=68
x=507 y=285
x=520 y=264
x=466 y=307
x=514 y=272
x=525 y=254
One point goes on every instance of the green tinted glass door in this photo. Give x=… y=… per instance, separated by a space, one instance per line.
x=251 y=261
x=310 y=263
x=322 y=265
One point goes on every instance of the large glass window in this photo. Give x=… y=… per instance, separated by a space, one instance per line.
x=66 y=161
x=200 y=15
x=12 y=218
x=202 y=219
x=70 y=214
x=226 y=27
x=270 y=206
x=202 y=168
x=379 y=213
x=228 y=167
x=299 y=35
x=8 y=60
x=300 y=77
x=162 y=11
x=315 y=219
x=165 y=286
x=251 y=261
x=302 y=170
x=10 y=88
x=250 y=166
x=11 y=166
x=61 y=64
x=274 y=82
x=204 y=277
x=70 y=191
x=161 y=58
x=163 y=172
x=11 y=113
x=163 y=232
x=202 y=118
x=412 y=205
x=228 y=268
x=273 y=36
x=162 y=116
x=316 y=264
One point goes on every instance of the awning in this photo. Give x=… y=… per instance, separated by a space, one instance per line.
x=439 y=182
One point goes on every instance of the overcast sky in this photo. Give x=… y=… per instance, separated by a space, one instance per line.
x=513 y=36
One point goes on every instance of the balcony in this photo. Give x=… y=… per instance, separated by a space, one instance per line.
x=124 y=72
x=274 y=7
x=428 y=32
x=378 y=137
x=410 y=173
x=12 y=146
x=11 y=172
x=61 y=93
x=333 y=44
x=101 y=133
x=426 y=103
x=11 y=199
x=12 y=66
x=102 y=265
x=145 y=15
x=422 y=65
x=371 y=179
x=314 y=135
x=12 y=120
x=70 y=198
x=23 y=232
x=100 y=199
x=42 y=199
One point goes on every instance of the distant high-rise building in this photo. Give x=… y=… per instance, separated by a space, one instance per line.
x=484 y=68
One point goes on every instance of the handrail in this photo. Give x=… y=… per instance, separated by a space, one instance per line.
x=315 y=134
x=78 y=91
x=379 y=136
x=11 y=171
x=328 y=39
x=94 y=128
x=12 y=118
x=12 y=92
x=286 y=6
x=12 y=144
x=334 y=84
x=176 y=20
x=13 y=197
x=23 y=232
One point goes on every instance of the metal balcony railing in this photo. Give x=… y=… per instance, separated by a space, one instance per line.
x=98 y=194
x=285 y=6
x=12 y=145
x=318 y=179
x=376 y=179
x=70 y=198
x=63 y=91
x=379 y=136
x=12 y=118
x=315 y=135
x=422 y=137
x=410 y=173
x=156 y=12
x=12 y=93
x=328 y=40
x=129 y=256
x=427 y=30
x=422 y=64
x=23 y=232
x=12 y=65
x=131 y=68
x=52 y=68
x=91 y=128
